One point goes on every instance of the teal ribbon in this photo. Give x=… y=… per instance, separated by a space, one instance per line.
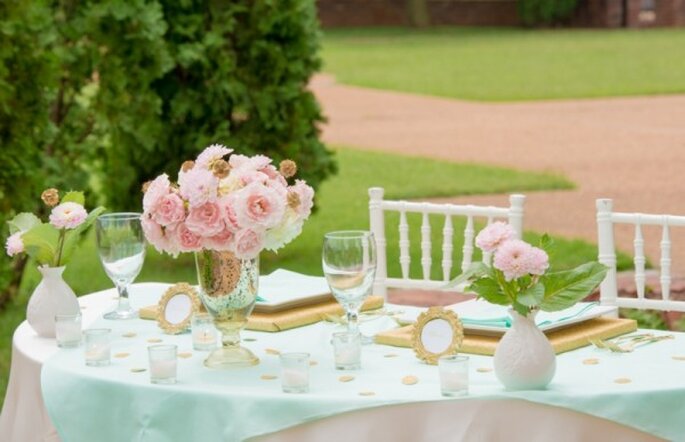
x=504 y=321
x=260 y=299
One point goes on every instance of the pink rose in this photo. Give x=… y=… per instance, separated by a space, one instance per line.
x=154 y=233
x=211 y=154
x=227 y=205
x=14 y=244
x=258 y=205
x=169 y=210
x=271 y=172
x=156 y=190
x=187 y=240
x=248 y=243
x=205 y=220
x=222 y=242
x=514 y=258
x=68 y=215
x=198 y=186
x=306 y=195
x=491 y=237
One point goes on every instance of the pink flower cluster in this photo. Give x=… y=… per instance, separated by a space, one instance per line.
x=513 y=257
x=249 y=208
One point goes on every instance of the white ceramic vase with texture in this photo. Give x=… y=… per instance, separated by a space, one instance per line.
x=52 y=297
x=524 y=357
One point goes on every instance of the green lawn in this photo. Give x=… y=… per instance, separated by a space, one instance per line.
x=342 y=204
x=509 y=64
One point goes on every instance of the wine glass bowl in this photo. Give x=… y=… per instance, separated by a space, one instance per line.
x=349 y=264
x=121 y=246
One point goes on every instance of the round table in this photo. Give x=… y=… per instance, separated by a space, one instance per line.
x=24 y=416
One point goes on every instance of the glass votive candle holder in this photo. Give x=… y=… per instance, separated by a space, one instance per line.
x=454 y=375
x=97 y=346
x=204 y=332
x=347 y=350
x=295 y=372
x=68 y=330
x=163 y=363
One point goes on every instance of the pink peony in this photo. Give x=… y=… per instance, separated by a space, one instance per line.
x=14 y=244
x=539 y=261
x=248 y=243
x=211 y=154
x=222 y=241
x=68 y=215
x=169 y=210
x=186 y=240
x=306 y=194
x=491 y=237
x=514 y=258
x=260 y=206
x=205 y=220
x=156 y=190
x=198 y=186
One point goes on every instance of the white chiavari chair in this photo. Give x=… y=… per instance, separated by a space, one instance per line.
x=379 y=206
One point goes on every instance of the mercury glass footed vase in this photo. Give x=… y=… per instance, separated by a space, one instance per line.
x=228 y=290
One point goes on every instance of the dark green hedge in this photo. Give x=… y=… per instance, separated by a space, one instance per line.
x=546 y=12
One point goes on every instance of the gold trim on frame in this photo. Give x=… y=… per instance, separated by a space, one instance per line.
x=424 y=318
x=181 y=288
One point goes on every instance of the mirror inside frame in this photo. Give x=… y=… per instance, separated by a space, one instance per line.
x=437 y=332
x=176 y=308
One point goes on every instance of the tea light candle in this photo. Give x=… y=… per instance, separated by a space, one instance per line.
x=347 y=356
x=98 y=352
x=204 y=333
x=162 y=369
x=347 y=350
x=163 y=364
x=453 y=381
x=295 y=378
x=454 y=375
x=97 y=347
x=295 y=372
x=68 y=330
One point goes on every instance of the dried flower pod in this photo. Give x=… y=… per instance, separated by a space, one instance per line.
x=293 y=200
x=221 y=168
x=288 y=168
x=145 y=186
x=187 y=165
x=50 y=197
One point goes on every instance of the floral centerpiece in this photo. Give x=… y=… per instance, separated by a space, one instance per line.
x=519 y=277
x=51 y=244
x=227 y=208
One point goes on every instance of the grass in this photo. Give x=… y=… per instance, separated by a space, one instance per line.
x=342 y=204
x=509 y=64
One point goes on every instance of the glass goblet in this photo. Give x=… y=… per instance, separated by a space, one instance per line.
x=349 y=263
x=121 y=246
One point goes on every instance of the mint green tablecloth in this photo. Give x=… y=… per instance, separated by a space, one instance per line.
x=113 y=403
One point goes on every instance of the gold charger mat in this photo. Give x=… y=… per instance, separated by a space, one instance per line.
x=287 y=319
x=563 y=340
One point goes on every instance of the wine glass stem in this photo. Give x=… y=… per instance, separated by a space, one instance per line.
x=353 y=321
x=124 y=305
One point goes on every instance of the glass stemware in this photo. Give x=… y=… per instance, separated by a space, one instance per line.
x=349 y=263
x=121 y=246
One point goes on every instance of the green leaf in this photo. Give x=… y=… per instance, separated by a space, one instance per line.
x=520 y=308
x=489 y=290
x=23 y=222
x=546 y=242
x=72 y=236
x=41 y=243
x=532 y=296
x=564 y=289
x=475 y=271
x=74 y=197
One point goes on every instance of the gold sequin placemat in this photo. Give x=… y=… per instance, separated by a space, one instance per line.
x=563 y=340
x=287 y=319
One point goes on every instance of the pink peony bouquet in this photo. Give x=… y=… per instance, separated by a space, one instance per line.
x=51 y=243
x=238 y=204
x=518 y=275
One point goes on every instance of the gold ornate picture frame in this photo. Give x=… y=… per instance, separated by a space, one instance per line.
x=176 y=308
x=437 y=332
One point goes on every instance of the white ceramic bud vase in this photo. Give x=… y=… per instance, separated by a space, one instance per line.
x=52 y=297
x=524 y=357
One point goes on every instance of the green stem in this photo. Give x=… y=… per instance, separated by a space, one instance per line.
x=60 y=246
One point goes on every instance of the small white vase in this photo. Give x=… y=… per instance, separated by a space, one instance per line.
x=524 y=357
x=51 y=297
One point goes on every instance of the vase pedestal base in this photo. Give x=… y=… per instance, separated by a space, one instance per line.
x=231 y=357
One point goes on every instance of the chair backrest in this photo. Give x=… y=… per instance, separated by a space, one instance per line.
x=606 y=219
x=377 y=208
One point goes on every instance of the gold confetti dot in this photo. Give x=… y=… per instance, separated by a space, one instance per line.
x=121 y=355
x=249 y=339
x=268 y=377
x=129 y=335
x=346 y=378
x=185 y=355
x=622 y=381
x=410 y=380
x=483 y=369
x=313 y=363
x=366 y=393
x=271 y=351
x=138 y=370
x=390 y=355
x=591 y=361
x=679 y=358
x=154 y=340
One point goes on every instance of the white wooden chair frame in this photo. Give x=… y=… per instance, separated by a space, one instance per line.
x=377 y=207
x=606 y=219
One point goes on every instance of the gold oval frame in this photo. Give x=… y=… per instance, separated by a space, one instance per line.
x=424 y=318
x=181 y=288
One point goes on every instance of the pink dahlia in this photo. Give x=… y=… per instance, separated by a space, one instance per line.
x=248 y=243
x=155 y=191
x=258 y=205
x=14 y=244
x=68 y=215
x=539 y=261
x=169 y=210
x=513 y=258
x=211 y=154
x=205 y=220
x=491 y=237
x=198 y=186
